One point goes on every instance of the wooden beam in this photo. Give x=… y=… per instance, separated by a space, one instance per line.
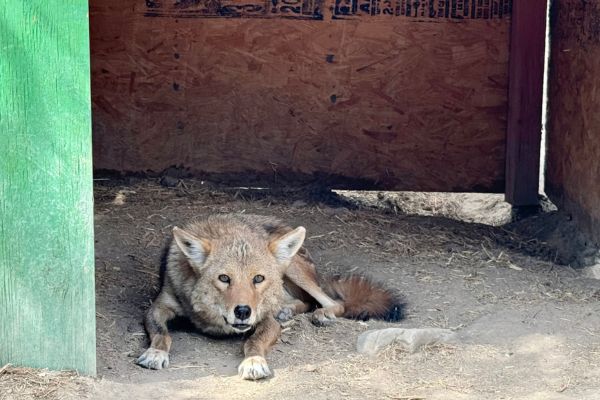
x=47 y=316
x=526 y=79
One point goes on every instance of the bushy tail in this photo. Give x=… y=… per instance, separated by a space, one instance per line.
x=363 y=298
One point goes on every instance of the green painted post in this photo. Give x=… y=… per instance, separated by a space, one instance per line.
x=47 y=316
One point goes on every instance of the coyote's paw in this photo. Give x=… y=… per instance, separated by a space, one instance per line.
x=323 y=317
x=285 y=314
x=254 y=368
x=154 y=359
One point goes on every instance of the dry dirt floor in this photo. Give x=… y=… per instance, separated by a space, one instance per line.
x=527 y=327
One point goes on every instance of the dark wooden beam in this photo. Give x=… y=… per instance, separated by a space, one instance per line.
x=526 y=80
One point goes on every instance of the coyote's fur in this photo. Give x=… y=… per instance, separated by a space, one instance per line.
x=235 y=274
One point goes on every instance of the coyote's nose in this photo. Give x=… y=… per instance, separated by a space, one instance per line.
x=242 y=312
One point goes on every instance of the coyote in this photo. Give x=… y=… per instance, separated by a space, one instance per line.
x=236 y=274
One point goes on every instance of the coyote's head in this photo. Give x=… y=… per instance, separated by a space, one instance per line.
x=237 y=271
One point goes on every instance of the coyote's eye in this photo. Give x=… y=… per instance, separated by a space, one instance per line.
x=224 y=278
x=258 y=279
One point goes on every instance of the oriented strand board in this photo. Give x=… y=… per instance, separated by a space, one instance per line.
x=573 y=158
x=389 y=94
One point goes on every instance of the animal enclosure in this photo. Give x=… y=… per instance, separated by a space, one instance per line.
x=347 y=94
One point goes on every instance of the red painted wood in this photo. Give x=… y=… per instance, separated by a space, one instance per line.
x=526 y=80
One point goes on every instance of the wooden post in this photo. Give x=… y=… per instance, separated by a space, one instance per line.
x=526 y=80
x=47 y=316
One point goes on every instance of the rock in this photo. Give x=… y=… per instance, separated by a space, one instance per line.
x=593 y=271
x=373 y=341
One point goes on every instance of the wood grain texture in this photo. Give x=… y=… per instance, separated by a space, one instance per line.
x=47 y=316
x=526 y=82
x=573 y=157
x=369 y=101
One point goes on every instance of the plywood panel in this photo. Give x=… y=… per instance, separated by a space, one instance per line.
x=573 y=160
x=375 y=94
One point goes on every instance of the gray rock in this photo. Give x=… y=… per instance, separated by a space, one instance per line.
x=593 y=271
x=373 y=341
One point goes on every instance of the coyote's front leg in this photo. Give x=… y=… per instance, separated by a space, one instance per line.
x=256 y=348
x=163 y=309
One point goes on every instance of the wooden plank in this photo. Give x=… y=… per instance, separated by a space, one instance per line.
x=415 y=99
x=573 y=161
x=526 y=79
x=47 y=316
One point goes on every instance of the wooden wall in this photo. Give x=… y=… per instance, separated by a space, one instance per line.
x=362 y=93
x=573 y=158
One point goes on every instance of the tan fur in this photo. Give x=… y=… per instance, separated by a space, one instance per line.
x=242 y=248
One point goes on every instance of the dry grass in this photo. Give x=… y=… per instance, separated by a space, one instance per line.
x=490 y=209
x=361 y=227
x=27 y=383
x=436 y=253
x=353 y=225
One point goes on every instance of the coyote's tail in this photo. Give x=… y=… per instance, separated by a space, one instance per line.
x=364 y=298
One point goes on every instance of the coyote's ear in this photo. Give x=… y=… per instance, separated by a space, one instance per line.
x=195 y=249
x=285 y=247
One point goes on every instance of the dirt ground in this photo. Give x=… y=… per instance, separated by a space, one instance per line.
x=528 y=328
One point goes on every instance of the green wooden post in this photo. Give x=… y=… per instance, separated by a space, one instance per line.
x=47 y=316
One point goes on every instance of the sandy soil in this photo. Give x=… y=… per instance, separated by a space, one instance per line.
x=528 y=327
